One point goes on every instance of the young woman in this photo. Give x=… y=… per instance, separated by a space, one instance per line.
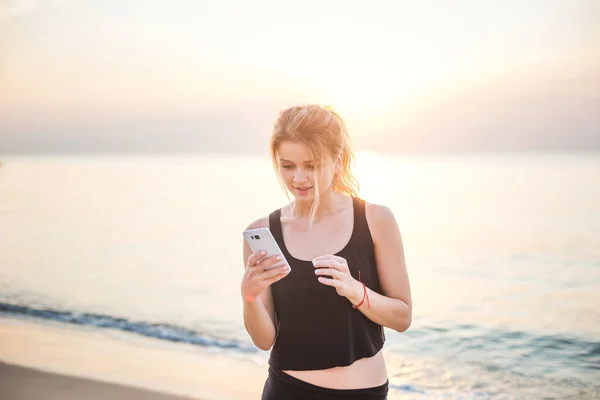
x=323 y=319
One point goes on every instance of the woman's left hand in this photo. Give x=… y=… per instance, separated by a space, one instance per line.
x=337 y=268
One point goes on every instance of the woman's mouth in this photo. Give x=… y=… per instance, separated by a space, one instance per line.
x=302 y=190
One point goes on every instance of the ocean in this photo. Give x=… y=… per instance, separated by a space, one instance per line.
x=502 y=250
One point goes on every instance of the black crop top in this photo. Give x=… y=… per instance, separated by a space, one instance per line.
x=316 y=327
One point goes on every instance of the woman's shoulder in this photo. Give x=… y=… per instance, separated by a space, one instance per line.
x=379 y=216
x=262 y=222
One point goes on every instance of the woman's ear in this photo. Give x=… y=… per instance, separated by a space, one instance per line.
x=338 y=163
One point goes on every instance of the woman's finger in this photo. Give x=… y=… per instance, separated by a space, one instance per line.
x=266 y=263
x=330 y=264
x=325 y=263
x=329 y=272
x=256 y=257
x=339 y=259
x=323 y=257
x=331 y=282
x=268 y=274
x=275 y=278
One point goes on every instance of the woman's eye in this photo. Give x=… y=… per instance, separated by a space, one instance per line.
x=287 y=166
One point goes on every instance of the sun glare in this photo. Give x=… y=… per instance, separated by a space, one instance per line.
x=374 y=180
x=356 y=92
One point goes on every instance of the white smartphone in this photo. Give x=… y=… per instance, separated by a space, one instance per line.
x=262 y=239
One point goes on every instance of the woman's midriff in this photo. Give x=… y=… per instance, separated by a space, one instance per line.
x=362 y=374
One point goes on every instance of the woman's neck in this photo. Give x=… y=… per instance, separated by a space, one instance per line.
x=328 y=202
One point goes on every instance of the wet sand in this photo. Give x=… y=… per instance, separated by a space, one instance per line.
x=61 y=362
x=19 y=383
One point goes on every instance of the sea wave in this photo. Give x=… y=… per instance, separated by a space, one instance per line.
x=162 y=331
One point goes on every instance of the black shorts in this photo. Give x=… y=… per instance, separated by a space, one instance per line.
x=281 y=386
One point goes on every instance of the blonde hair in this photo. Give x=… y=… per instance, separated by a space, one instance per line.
x=323 y=131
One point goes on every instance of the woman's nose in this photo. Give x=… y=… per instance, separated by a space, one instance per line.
x=300 y=175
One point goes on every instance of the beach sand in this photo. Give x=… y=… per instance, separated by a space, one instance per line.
x=18 y=383
x=58 y=361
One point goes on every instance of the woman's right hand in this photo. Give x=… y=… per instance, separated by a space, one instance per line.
x=256 y=279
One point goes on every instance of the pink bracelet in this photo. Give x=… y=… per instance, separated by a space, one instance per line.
x=365 y=295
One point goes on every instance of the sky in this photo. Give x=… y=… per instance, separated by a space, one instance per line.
x=427 y=76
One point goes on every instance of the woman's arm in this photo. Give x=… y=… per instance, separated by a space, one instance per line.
x=259 y=320
x=259 y=315
x=393 y=308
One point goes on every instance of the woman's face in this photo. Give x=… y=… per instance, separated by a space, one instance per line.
x=298 y=170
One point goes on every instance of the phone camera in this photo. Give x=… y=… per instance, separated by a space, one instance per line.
x=256 y=237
